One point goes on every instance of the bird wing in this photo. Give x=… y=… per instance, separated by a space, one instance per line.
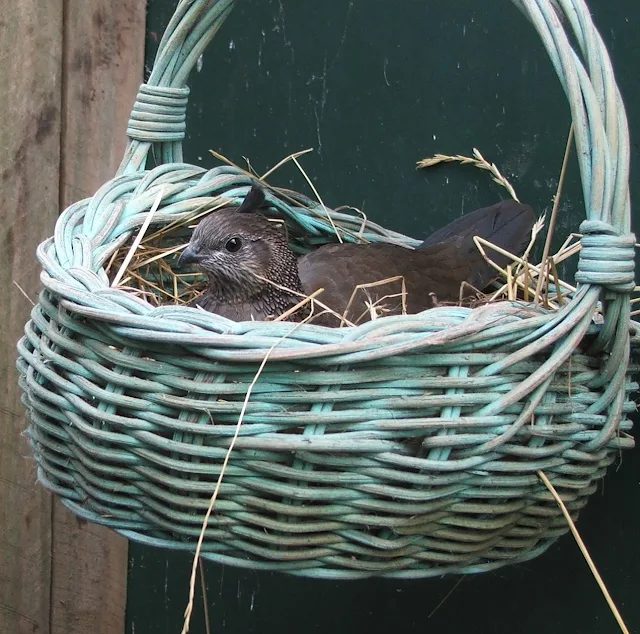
x=506 y=224
x=430 y=275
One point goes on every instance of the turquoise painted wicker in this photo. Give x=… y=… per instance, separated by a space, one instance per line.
x=406 y=447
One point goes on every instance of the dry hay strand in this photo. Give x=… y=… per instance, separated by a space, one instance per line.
x=146 y=265
x=376 y=309
x=214 y=496
x=585 y=553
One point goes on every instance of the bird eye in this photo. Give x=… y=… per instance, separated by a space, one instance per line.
x=233 y=245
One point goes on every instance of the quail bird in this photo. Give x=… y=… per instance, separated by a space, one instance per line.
x=254 y=275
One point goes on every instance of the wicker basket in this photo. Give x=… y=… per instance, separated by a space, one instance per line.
x=410 y=446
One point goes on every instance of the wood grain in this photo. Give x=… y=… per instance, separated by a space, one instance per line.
x=103 y=61
x=69 y=71
x=30 y=103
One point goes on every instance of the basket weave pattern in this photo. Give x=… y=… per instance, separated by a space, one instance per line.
x=407 y=447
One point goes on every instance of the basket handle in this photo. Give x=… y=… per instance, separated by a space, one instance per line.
x=607 y=255
x=158 y=118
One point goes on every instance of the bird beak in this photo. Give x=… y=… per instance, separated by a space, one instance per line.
x=189 y=256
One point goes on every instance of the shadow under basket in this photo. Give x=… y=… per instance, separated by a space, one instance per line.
x=410 y=446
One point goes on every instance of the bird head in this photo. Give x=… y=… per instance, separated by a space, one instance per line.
x=236 y=249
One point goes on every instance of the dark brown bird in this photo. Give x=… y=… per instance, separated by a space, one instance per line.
x=253 y=273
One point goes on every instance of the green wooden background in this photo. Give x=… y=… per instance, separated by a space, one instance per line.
x=375 y=86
